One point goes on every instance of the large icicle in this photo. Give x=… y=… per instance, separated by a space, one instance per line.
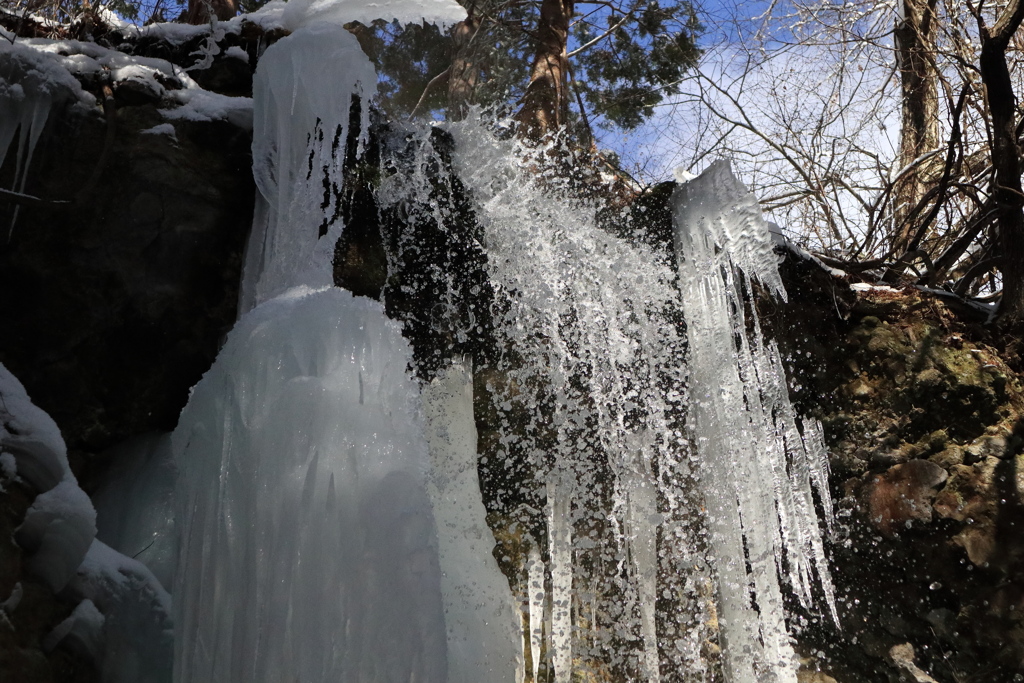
x=560 y=552
x=756 y=468
x=31 y=85
x=308 y=548
x=302 y=94
x=484 y=642
x=304 y=90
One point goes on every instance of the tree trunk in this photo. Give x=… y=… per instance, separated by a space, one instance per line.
x=546 y=101
x=1006 y=161
x=919 y=130
x=465 y=69
x=200 y=11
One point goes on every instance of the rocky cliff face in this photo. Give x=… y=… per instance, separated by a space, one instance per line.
x=118 y=278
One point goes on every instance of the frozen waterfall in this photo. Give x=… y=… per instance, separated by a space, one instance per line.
x=328 y=506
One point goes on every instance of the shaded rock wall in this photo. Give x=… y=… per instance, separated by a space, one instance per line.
x=112 y=304
x=923 y=411
x=113 y=307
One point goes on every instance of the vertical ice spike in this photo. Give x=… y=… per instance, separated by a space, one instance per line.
x=537 y=596
x=560 y=551
x=757 y=468
x=481 y=621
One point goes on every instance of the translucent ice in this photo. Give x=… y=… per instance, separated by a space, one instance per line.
x=135 y=503
x=308 y=545
x=303 y=89
x=484 y=643
x=756 y=467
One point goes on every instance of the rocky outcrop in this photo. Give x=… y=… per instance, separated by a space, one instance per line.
x=119 y=271
x=114 y=304
x=922 y=407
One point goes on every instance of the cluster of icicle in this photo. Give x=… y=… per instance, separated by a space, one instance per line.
x=757 y=467
x=30 y=87
x=328 y=507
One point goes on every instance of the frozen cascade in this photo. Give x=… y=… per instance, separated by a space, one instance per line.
x=305 y=89
x=481 y=620
x=306 y=497
x=308 y=548
x=590 y=319
x=300 y=130
x=757 y=468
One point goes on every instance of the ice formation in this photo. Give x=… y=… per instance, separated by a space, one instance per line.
x=757 y=466
x=305 y=89
x=135 y=504
x=308 y=550
x=481 y=621
x=300 y=129
x=31 y=84
x=589 y=318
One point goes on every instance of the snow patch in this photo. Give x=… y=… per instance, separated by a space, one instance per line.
x=57 y=531
x=201 y=105
x=161 y=129
x=299 y=13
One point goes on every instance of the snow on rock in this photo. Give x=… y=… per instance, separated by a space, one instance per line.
x=308 y=549
x=57 y=531
x=137 y=633
x=81 y=632
x=298 y=13
x=31 y=84
x=58 y=535
x=201 y=105
x=161 y=129
x=31 y=436
x=235 y=52
x=61 y=523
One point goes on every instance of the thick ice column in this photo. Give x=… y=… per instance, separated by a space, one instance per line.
x=303 y=90
x=484 y=640
x=308 y=545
